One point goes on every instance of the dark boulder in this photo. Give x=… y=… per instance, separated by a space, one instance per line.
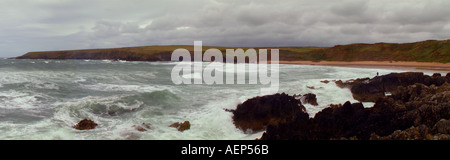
x=443 y=127
x=85 y=124
x=309 y=98
x=257 y=113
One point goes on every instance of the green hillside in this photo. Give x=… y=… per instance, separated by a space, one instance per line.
x=425 y=51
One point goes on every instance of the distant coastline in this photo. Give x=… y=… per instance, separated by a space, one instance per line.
x=431 y=53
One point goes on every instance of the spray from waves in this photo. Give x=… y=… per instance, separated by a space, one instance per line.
x=308 y=81
x=118 y=114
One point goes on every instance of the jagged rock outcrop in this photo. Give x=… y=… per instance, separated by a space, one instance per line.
x=257 y=113
x=416 y=111
x=181 y=126
x=370 y=90
x=421 y=132
x=85 y=124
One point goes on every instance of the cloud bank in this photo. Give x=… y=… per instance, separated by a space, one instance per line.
x=38 y=25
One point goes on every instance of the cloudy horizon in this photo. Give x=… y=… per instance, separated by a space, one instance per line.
x=43 y=25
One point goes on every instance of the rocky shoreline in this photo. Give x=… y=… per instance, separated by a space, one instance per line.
x=408 y=106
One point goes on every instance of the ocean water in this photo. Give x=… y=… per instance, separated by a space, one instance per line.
x=43 y=99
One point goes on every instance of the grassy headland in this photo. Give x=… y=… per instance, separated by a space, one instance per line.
x=424 y=51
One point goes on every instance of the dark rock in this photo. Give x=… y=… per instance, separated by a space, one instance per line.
x=370 y=90
x=181 y=126
x=309 y=98
x=85 y=124
x=443 y=126
x=257 y=113
x=325 y=81
x=413 y=112
x=333 y=122
x=297 y=128
x=143 y=127
x=345 y=121
x=421 y=132
x=312 y=87
x=436 y=75
x=228 y=110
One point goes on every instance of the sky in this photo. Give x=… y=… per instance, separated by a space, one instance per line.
x=43 y=25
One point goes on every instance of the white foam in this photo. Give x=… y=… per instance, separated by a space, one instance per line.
x=128 y=88
x=204 y=107
x=368 y=104
x=106 y=61
x=14 y=100
x=193 y=76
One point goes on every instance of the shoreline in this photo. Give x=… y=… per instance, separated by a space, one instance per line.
x=404 y=65
x=417 y=66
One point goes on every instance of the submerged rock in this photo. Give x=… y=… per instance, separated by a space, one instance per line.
x=143 y=127
x=257 y=113
x=181 y=126
x=85 y=124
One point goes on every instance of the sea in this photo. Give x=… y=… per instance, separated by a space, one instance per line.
x=44 y=99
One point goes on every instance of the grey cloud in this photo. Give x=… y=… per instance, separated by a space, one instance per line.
x=31 y=25
x=350 y=8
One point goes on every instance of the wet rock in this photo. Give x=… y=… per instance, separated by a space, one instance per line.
x=330 y=123
x=370 y=90
x=85 y=124
x=414 y=133
x=312 y=87
x=416 y=111
x=421 y=132
x=443 y=126
x=143 y=127
x=296 y=129
x=325 y=81
x=436 y=75
x=309 y=98
x=257 y=113
x=181 y=126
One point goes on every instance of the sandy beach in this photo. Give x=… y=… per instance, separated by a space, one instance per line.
x=430 y=66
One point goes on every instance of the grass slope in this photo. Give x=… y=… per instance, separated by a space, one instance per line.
x=425 y=51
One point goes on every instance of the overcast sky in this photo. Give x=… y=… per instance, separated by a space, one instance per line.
x=40 y=25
